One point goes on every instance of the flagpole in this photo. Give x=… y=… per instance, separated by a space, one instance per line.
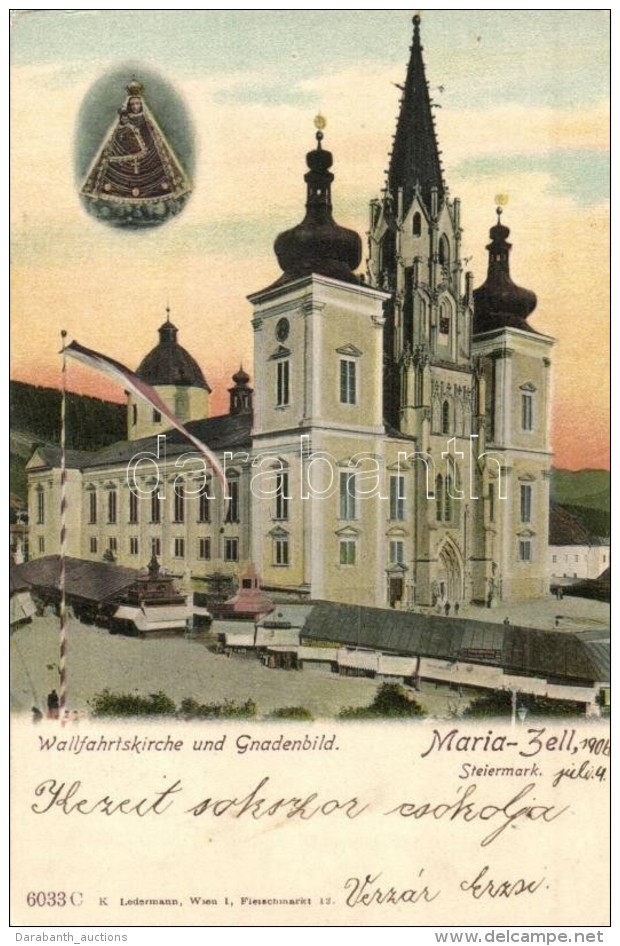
x=63 y=531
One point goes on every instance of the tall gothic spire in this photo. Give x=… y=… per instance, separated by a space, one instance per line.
x=415 y=155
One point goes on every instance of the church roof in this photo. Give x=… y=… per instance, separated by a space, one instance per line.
x=227 y=432
x=415 y=156
x=170 y=363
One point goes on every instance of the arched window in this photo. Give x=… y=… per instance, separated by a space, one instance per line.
x=444 y=317
x=181 y=404
x=439 y=497
x=447 y=506
x=445 y=417
x=444 y=251
x=417 y=223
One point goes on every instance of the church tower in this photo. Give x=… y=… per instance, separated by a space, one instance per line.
x=429 y=384
x=317 y=369
x=415 y=252
x=514 y=365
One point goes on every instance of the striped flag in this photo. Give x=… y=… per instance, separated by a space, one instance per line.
x=131 y=382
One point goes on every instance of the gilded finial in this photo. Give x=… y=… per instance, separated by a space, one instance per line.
x=501 y=200
x=319 y=123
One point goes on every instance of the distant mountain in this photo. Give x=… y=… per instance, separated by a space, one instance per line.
x=35 y=417
x=91 y=423
x=587 y=488
x=584 y=496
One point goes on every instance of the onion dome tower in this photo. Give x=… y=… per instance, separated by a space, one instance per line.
x=136 y=179
x=241 y=393
x=499 y=303
x=177 y=378
x=318 y=244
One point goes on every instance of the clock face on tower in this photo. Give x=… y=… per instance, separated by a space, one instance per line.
x=282 y=330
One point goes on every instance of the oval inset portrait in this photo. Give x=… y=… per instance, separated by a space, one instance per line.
x=134 y=150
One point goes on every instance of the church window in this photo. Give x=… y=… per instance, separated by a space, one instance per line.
x=417 y=224
x=204 y=506
x=40 y=506
x=155 y=507
x=204 y=548
x=439 y=498
x=444 y=251
x=156 y=417
x=554 y=559
x=397 y=498
x=397 y=552
x=282 y=496
x=348 y=393
x=527 y=413
x=112 y=498
x=447 y=503
x=181 y=405
x=347 y=496
x=492 y=502
x=134 y=414
x=444 y=318
x=282 y=385
x=179 y=547
x=41 y=544
x=232 y=510
x=156 y=548
x=348 y=551
x=526 y=503
x=281 y=551
x=525 y=550
x=445 y=417
x=133 y=508
x=133 y=545
x=93 y=545
x=179 y=503
x=113 y=544
x=92 y=507
x=231 y=550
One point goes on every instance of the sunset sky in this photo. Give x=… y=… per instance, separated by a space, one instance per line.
x=524 y=111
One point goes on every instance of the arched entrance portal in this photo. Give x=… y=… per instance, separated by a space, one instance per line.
x=450 y=574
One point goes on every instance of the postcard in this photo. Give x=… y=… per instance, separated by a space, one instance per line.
x=310 y=555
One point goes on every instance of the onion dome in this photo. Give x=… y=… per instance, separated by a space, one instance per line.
x=170 y=363
x=499 y=303
x=241 y=377
x=318 y=244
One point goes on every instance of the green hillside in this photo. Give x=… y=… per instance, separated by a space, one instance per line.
x=590 y=489
x=35 y=417
x=91 y=422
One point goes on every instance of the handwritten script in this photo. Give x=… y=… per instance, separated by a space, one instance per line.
x=262 y=801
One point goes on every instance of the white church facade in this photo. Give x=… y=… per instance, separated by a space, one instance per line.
x=395 y=447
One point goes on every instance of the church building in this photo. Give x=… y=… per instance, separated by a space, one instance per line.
x=395 y=448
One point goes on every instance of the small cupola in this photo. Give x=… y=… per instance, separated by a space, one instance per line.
x=241 y=393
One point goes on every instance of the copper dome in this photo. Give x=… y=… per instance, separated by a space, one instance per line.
x=170 y=363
